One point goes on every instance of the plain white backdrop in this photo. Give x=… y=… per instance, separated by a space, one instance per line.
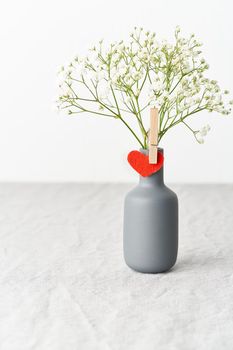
x=37 y=144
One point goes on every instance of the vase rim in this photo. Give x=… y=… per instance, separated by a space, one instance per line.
x=146 y=150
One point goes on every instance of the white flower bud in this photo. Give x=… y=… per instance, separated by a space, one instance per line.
x=137 y=92
x=199 y=138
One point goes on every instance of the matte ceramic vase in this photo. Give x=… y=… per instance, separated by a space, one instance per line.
x=151 y=225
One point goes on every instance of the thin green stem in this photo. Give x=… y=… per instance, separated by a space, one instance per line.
x=180 y=120
x=131 y=130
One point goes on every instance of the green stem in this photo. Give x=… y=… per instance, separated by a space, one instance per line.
x=126 y=124
x=83 y=110
x=132 y=132
x=188 y=126
x=180 y=120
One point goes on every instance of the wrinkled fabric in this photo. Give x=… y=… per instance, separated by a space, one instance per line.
x=64 y=284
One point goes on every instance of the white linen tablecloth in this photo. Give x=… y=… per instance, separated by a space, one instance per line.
x=64 y=284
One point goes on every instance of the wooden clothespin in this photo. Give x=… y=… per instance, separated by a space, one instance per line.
x=153 y=136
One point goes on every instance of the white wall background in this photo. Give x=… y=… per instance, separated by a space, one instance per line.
x=36 y=37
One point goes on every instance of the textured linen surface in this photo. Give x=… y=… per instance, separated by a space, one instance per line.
x=64 y=284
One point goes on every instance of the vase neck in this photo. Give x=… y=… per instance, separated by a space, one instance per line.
x=154 y=179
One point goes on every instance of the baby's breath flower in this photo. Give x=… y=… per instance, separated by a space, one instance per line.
x=199 y=135
x=203 y=131
x=200 y=139
x=177 y=29
x=128 y=76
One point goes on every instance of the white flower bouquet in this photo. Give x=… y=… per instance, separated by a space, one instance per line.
x=126 y=78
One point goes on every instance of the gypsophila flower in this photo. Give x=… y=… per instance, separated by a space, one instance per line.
x=129 y=76
x=199 y=138
x=203 y=131
x=200 y=134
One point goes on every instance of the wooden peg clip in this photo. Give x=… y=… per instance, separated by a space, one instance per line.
x=153 y=136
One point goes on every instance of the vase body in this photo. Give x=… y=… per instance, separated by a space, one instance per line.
x=150 y=236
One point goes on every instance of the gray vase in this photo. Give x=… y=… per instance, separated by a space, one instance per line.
x=151 y=225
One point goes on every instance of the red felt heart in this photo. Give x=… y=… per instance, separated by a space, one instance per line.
x=140 y=163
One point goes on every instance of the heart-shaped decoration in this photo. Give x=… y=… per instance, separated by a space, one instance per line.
x=140 y=163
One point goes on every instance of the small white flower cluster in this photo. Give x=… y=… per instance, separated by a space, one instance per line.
x=202 y=133
x=169 y=76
